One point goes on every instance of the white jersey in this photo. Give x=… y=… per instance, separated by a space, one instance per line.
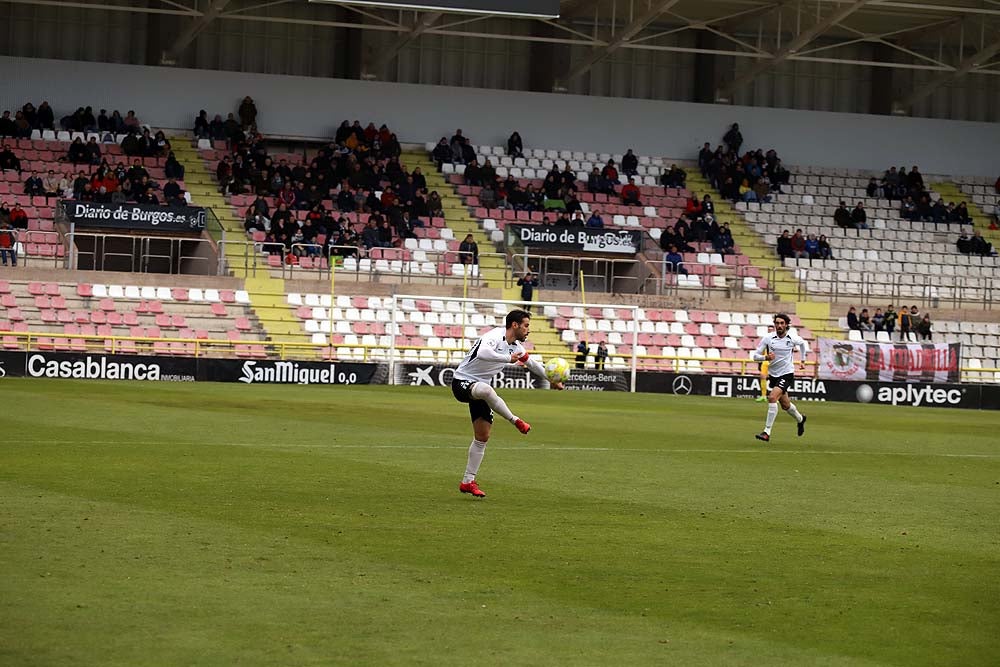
x=488 y=356
x=782 y=348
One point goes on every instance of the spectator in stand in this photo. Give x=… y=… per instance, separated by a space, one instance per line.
x=172 y=193
x=675 y=177
x=34 y=187
x=723 y=241
x=939 y=212
x=872 y=191
x=581 y=354
x=630 y=194
x=131 y=124
x=18 y=217
x=601 y=357
x=923 y=327
x=907 y=209
x=8 y=160
x=852 y=319
x=746 y=192
x=798 y=243
x=469 y=251
x=889 y=320
x=733 y=139
x=173 y=168
x=8 y=243
x=515 y=148
x=674 y=261
x=22 y=128
x=473 y=174
x=859 y=218
x=217 y=129
x=915 y=181
x=878 y=320
x=161 y=145
x=962 y=214
x=762 y=188
x=630 y=163
x=825 y=252
x=785 y=245
x=248 y=113
x=979 y=245
x=892 y=182
x=705 y=156
x=864 y=321
x=442 y=152
x=93 y=151
x=77 y=153
x=201 y=126
x=964 y=244
x=7 y=128
x=812 y=246
x=50 y=184
x=842 y=216
x=528 y=282
x=435 y=208
x=595 y=221
x=906 y=321
x=610 y=175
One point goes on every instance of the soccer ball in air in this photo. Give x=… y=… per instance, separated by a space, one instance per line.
x=557 y=370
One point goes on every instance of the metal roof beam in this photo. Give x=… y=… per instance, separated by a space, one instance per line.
x=792 y=47
x=627 y=33
x=420 y=26
x=194 y=29
x=980 y=58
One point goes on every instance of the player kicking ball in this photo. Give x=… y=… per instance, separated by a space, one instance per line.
x=776 y=348
x=471 y=384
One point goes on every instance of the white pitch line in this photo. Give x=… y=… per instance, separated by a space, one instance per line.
x=514 y=448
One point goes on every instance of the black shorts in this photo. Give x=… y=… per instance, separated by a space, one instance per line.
x=462 y=389
x=782 y=382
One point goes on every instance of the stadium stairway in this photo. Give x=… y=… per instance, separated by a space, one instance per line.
x=814 y=314
x=267 y=294
x=492 y=270
x=951 y=192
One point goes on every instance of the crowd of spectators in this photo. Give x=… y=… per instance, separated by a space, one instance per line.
x=358 y=172
x=975 y=245
x=915 y=201
x=909 y=320
x=230 y=130
x=29 y=118
x=697 y=224
x=750 y=177
x=801 y=246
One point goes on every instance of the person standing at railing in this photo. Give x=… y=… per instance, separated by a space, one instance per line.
x=8 y=243
x=601 y=357
x=469 y=251
x=527 y=283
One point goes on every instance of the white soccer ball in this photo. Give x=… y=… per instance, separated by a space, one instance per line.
x=557 y=370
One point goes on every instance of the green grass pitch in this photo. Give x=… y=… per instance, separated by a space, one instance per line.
x=212 y=524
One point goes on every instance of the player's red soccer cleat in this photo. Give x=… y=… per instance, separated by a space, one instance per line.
x=522 y=426
x=473 y=488
x=763 y=436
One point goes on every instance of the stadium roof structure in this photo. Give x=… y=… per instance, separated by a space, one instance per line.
x=953 y=38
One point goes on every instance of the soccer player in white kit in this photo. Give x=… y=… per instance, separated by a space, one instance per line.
x=471 y=384
x=777 y=348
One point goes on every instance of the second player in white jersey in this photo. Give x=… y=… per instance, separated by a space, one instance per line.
x=777 y=349
x=782 y=347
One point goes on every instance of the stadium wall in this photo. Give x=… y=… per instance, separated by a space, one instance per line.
x=303 y=106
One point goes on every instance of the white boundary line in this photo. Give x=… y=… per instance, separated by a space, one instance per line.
x=515 y=448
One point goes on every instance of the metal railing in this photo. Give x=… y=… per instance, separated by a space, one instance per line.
x=601 y=274
x=253 y=256
x=929 y=290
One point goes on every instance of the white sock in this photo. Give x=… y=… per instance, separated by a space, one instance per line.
x=772 y=412
x=476 y=452
x=795 y=413
x=484 y=392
